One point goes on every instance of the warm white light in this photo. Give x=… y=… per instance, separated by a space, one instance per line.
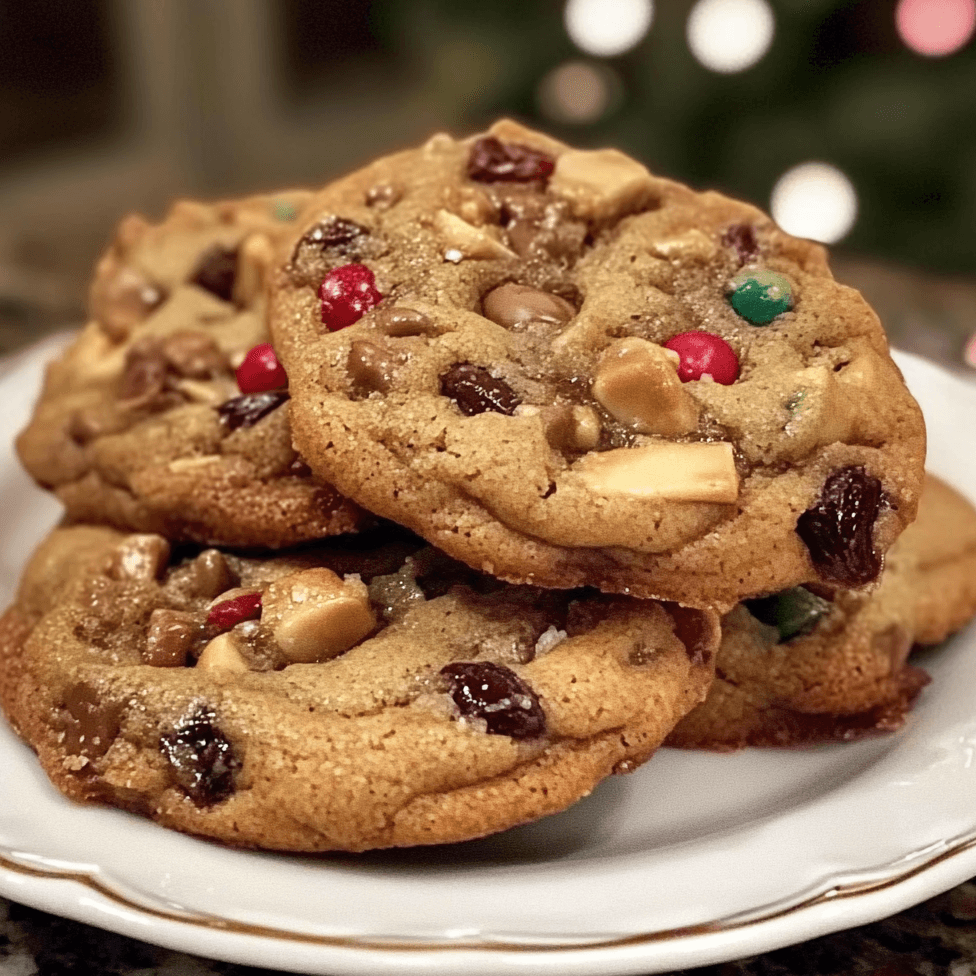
x=814 y=200
x=935 y=27
x=575 y=92
x=730 y=35
x=607 y=27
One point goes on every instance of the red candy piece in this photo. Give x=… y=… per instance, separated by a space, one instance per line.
x=347 y=294
x=261 y=371
x=230 y=612
x=704 y=353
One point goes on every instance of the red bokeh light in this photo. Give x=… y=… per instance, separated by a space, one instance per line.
x=935 y=27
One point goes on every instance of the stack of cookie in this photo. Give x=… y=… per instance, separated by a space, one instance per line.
x=406 y=511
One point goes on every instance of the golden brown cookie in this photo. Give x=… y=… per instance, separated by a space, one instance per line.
x=368 y=693
x=142 y=422
x=796 y=668
x=564 y=370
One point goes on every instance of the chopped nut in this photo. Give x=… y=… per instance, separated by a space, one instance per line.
x=567 y=426
x=637 y=381
x=472 y=242
x=471 y=204
x=601 y=184
x=695 y=472
x=254 y=257
x=141 y=557
x=314 y=615
x=585 y=428
x=171 y=636
x=223 y=654
x=693 y=245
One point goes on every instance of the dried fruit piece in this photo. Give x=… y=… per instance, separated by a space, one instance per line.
x=704 y=354
x=261 y=370
x=228 y=613
x=497 y=695
x=217 y=272
x=492 y=160
x=759 y=296
x=838 y=530
x=793 y=613
x=247 y=410
x=202 y=760
x=346 y=295
x=743 y=238
x=476 y=391
x=222 y=654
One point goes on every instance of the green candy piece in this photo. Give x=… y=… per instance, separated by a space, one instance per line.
x=759 y=296
x=793 y=613
x=283 y=210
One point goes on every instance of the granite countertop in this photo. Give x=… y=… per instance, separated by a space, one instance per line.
x=923 y=313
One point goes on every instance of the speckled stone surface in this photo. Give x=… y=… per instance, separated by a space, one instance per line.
x=936 y=938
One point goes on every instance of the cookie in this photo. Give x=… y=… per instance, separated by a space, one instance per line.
x=563 y=370
x=796 y=668
x=142 y=423
x=369 y=693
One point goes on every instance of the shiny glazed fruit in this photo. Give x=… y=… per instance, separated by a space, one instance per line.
x=346 y=295
x=231 y=612
x=261 y=371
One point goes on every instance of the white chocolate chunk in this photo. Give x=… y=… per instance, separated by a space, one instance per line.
x=696 y=472
x=693 y=245
x=638 y=383
x=223 y=654
x=601 y=184
x=315 y=615
x=471 y=241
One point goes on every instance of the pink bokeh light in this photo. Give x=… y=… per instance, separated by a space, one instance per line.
x=935 y=27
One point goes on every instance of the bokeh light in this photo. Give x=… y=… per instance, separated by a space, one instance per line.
x=730 y=35
x=815 y=200
x=577 y=92
x=935 y=27
x=606 y=28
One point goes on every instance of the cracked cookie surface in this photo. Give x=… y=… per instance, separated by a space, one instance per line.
x=564 y=370
x=141 y=423
x=796 y=668
x=368 y=693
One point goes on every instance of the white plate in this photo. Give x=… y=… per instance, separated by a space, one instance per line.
x=695 y=859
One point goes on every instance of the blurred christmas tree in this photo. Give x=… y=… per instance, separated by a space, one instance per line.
x=833 y=82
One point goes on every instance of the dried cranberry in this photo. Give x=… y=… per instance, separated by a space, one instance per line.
x=743 y=238
x=492 y=160
x=228 y=613
x=704 y=354
x=475 y=390
x=217 y=272
x=838 y=530
x=498 y=695
x=347 y=294
x=247 y=410
x=201 y=758
x=261 y=370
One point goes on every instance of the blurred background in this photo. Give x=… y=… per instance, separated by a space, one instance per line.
x=852 y=121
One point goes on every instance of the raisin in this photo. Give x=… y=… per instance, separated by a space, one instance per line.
x=202 y=760
x=498 y=695
x=838 y=530
x=492 y=160
x=247 y=410
x=332 y=232
x=743 y=238
x=475 y=390
x=217 y=272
